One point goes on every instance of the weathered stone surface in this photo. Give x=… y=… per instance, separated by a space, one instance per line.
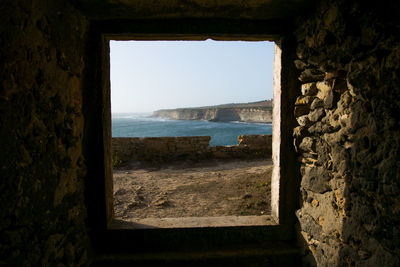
x=328 y=100
x=324 y=156
x=315 y=179
x=324 y=87
x=303 y=120
x=317 y=103
x=316 y=114
x=316 y=59
x=301 y=110
x=164 y=149
x=340 y=86
x=42 y=168
x=310 y=226
x=303 y=52
x=316 y=128
x=311 y=75
x=300 y=131
x=309 y=89
x=255 y=140
x=325 y=92
x=350 y=212
x=308 y=144
x=304 y=100
x=346 y=177
x=335 y=74
x=302 y=105
x=301 y=65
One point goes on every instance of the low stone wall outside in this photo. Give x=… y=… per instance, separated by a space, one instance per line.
x=163 y=149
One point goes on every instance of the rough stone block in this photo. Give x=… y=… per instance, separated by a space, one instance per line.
x=303 y=52
x=316 y=114
x=301 y=110
x=301 y=65
x=322 y=150
x=303 y=120
x=335 y=74
x=311 y=75
x=304 y=100
x=316 y=59
x=340 y=86
x=307 y=144
x=316 y=128
x=315 y=179
x=323 y=88
x=317 y=103
x=309 y=89
x=309 y=225
x=300 y=131
x=328 y=100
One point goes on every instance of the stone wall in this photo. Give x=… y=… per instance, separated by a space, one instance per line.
x=348 y=137
x=162 y=149
x=159 y=149
x=249 y=146
x=42 y=209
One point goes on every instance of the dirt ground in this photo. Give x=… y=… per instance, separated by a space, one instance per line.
x=187 y=189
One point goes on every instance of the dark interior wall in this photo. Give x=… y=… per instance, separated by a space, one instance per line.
x=42 y=209
x=349 y=139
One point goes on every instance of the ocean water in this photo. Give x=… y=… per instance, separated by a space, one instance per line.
x=222 y=133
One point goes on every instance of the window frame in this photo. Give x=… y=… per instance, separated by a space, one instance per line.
x=97 y=142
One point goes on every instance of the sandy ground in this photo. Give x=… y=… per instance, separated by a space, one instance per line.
x=187 y=189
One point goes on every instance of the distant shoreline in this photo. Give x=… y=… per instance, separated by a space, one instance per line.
x=223 y=133
x=254 y=112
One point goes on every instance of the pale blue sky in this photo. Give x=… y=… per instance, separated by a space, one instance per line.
x=151 y=75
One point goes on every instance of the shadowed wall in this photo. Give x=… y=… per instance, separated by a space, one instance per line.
x=348 y=107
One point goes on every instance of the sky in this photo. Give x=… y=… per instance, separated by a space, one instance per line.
x=151 y=75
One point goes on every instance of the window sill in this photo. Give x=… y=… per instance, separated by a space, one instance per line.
x=193 y=222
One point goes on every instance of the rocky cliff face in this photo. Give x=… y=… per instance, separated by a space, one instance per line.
x=244 y=114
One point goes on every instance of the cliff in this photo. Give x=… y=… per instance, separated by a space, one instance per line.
x=249 y=112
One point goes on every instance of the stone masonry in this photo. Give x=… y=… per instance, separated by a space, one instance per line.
x=164 y=149
x=42 y=217
x=53 y=113
x=348 y=151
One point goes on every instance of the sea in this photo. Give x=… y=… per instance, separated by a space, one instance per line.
x=222 y=133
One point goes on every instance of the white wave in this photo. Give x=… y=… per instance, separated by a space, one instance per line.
x=157 y=119
x=257 y=123
x=130 y=115
x=139 y=117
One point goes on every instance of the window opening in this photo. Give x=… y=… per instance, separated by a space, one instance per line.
x=177 y=181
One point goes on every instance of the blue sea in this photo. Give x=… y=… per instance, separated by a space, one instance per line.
x=222 y=133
